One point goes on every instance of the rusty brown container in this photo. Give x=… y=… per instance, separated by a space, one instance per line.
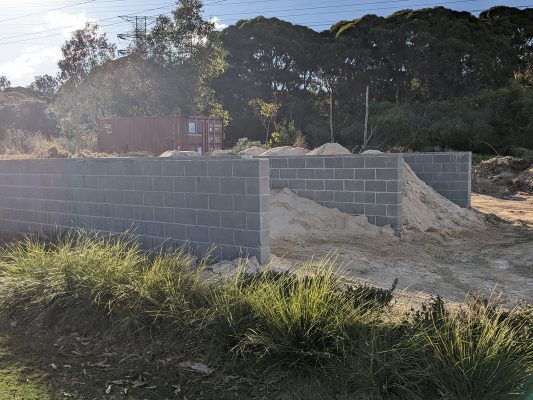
x=158 y=134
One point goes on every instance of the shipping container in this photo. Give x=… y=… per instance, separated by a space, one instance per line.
x=155 y=135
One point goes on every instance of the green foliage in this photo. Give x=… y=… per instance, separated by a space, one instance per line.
x=307 y=319
x=286 y=134
x=244 y=143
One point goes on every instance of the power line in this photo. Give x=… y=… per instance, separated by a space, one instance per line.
x=52 y=9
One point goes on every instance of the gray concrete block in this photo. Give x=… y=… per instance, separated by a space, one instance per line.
x=208 y=218
x=233 y=220
x=314 y=162
x=95 y=196
x=295 y=162
x=153 y=199
x=376 y=186
x=143 y=213
x=334 y=185
x=207 y=184
x=288 y=173
x=388 y=198
x=278 y=163
x=376 y=209
x=295 y=184
x=133 y=198
x=364 y=197
x=152 y=167
x=197 y=200
x=354 y=162
x=274 y=173
x=115 y=225
x=173 y=168
x=221 y=236
x=142 y=183
x=176 y=231
x=185 y=184
x=442 y=158
x=305 y=173
x=97 y=223
x=308 y=194
x=107 y=210
x=345 y=173
x=246 y=168
x=122 y=182
x=123 y=211
x=423 y=159
x=324 y=173
x=394 y=210
x=154 y=229
x=105 y=182
x=264 y=168
x=115 y=196
x=324 y=195
x=279 y=183
x=185 y=216
x=365 y=174
x=375 y=161
x=220 y=168
x=394 y=186
x=344 y=197
x=247 y=203
x=250 y=238
x=164 y=214
x=197 y=233
x=334 y=162
x=233 y=186
x=387 y=174
x=163 y=184
x=314 y=184
x=82 y=221
x=81 y=195
x=114 y=167
x=354 y=208
x=354 y=186
x=394 y=222
x=221 y=202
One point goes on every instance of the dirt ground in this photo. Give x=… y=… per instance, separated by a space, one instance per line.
x=495 y=258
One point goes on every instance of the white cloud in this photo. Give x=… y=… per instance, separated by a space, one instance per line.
x=30 y=62
x=218 y=26
x=67 y=23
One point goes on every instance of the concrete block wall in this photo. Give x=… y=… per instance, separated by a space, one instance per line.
x=225 y=202
x=448 y=173
x=369 y=184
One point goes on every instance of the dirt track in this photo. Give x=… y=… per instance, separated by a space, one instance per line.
x=496 y=257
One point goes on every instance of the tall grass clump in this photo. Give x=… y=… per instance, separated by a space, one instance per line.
x=477 y=353
x=304 y=318
x=89 y=277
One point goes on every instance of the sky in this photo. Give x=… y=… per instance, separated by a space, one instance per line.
x=32 y=31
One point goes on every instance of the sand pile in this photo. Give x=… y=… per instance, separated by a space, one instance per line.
x=179 y=154
x=253 y=151
x=329 y=149
x=286 y=151
x=426 y=210
x=293 y=217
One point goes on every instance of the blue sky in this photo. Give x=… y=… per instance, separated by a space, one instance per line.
x=32 y=31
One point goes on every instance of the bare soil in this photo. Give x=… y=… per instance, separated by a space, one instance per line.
x=495 y=257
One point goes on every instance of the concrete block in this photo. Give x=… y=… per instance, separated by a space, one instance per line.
x=394 y=222
x=173 y=168
x=164 y=214
x=95 y=196
x=246 y=168
x=104 y=182
x=376 y=186
x=153 y=199
x=324 y=195
x=152 y=167
x=197 y=200
x=394 y=210
x=278 y=163
x=295 y=162
x=387 y=174
x=114 y=167
x=314 y=162
x=208 y=184
x=220 y=168
x=133 y=198
x=394 y=186
x=122 y=182
x=334 y=185
x=254 y=239
x=344 y=197
x=324 y=173
x=176 y=231
x=334 y=162
x=354 y=162
x=197 y=233
x=81 y=195
x=295 y=184
x=233 y=186
x=442 y=158
x=288 y=173
x=221 y=202
x=143 y=213
x=163 y=184
x=208 y=218
x=280 y=183
x=115 y=196
x=365 y=174
x=185 y=184
x=115 y=225
x=97 y=223
x=123 y=211
x=375 y=161
x=354 y=208
x=345 y=173
x=264 y=168
x=305 y=173
x=376 y=209
x=185 y=216
x=314 y=184
x=154 y=229
x=107 y=210
x=247 y=203
x=221 y=236
x=388 y=198
x=82 y=221
x=354 y=186
x=233 y=219
x=274 y=173
x=364 y=197
x=195 y=168
x=174 y=200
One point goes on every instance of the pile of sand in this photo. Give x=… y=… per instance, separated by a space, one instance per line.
x=426 y=210
x=286 y=151
x=293 y=218
x=253 y=151
x=179 y=154
x=329 y=149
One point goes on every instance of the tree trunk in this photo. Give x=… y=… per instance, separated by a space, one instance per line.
x=365 y=136
x=331 y=114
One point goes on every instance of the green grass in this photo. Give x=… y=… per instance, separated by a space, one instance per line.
x=347 y=340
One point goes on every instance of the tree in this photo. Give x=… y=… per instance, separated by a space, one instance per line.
x=266 y=112
x=45 y=84
x=4 y=83
x=85 y=50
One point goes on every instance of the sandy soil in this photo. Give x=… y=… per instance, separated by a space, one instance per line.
x=495 y=257
x=517 y=209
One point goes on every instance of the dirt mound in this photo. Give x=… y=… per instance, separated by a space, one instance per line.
x=253 y=151
x=329 y=149
x=179 y=154
x=286 y=151
x=426 y=210
x=293 y=218
x=503 y=176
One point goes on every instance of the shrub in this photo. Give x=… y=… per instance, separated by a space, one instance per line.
x=244 y=143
